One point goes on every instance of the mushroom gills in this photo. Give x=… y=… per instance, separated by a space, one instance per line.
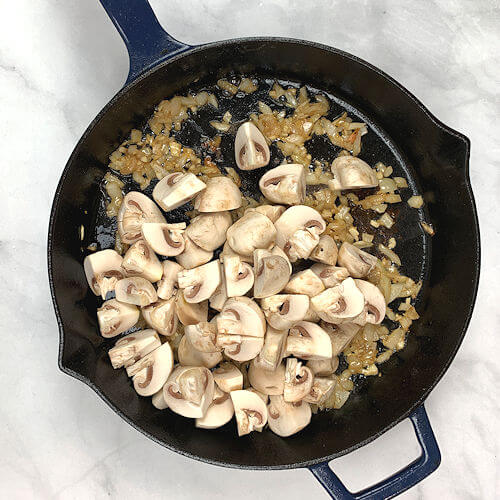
x=176 y=189
x=298 y=381
x=285 y=184
x=330 y=275
x=250 y=411
x=308 y=341
x=136 y=290
x=103 y=270
x=199 y=283
x=116 y=317
x=164 y=239
x=321 y=390
x=250 y=148
x=284 y=311
x=238 y=276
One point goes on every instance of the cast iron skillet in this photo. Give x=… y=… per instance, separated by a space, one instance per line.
x=402 y=132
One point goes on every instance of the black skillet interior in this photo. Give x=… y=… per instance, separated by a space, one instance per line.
x=401 y=133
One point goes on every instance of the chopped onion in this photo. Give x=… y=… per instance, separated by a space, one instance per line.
x=391 y=244
x=428 y=228
x=387 y=185
x=416 y=202
x=227 y=86
x=368 y=238
x=227 y=117
x=221 y=126
x=389 y=254
x=386 y=220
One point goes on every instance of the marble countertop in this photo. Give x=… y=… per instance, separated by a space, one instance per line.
x=60 y=62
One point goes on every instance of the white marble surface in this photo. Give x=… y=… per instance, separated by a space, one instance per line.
x=60 y=62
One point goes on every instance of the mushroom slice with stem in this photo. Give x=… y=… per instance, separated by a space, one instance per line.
x=190 y=314
x=308 y=341
x=270 y=382
x=272 y=211
x=286 y=419
x=115 y=317
x=159 y=401
x=306 y=283
x=219 y=413
x=326 y=251
x=374 y=310
x=339 y=302
x=321 y=390
x=164 y=239
x=129 y=349
x=323 y=367
x=357 y=262
x=193 y=255
x=298 y=381
x=271 y=273
x=189 y=391
x=241 y=316
x=240 y=348
x=285 y=184
x=340 y=335
x=219 y=297
x=202 y=336
x=136 y=290
x=250 y=148
x=284 y=311
x=350 y=172
x=250 y=411
x=228 y=377
x=199 y=283
x=167 y=286
x=189 y=356
x=220 y=194
x=252 y=231
x=103 y=269
x=238 y=275
x=278 y=251
x=140 y=260
x=176 y=189
x=135 y=210
x=330 y=275
x=273 y=350
x=161 y=316
x=208 y=230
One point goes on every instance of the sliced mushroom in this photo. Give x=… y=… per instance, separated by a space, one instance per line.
x=285 y=184
x=241 y=316
x=326 y=251
x=228 y=377
x=189 y=391
x=161 y=316
x=103 y=269
x=339 y=302
x=156 y=367
x=330 y=275
x=285 y=419
x=189 y=356
x=272 y=211
x=167 y=286
x=298 y=381
x=250 y=148
x=176 y=189
x=220 y=194
x=284 y=311
x=136 y=290
x=252 y=231
x=323 y=367
x=308 y=341
x=219 y=413
x=340 y=335
x=115 y=318
x=159 y=401
x=350 y=172
x=219 y=297
x=208 y=230
x=202 y=336
x=357 y=262
x=129 y=349
x=190 y=314
x=238 y=276
x=135 y=210
x=321 y=390
x=199 y=283
x=311 y=315
x=164 y=239
x=273 y=349
x=270 y=382
x=227 y=251
x=193 y=255
x=240 y=348
x=250 y=411
x=306 y=283
x=374 y=310
x=140 y=260
x=271 y=273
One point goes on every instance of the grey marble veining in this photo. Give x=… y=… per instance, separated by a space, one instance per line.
x=60 y=62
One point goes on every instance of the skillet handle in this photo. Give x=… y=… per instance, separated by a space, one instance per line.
x=418 y=470
x=146 y=41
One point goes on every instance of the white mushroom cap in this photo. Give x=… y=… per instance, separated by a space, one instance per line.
x=157 y=367
x=176 y=189
x=285 y=419
x=193 y=255
x=115 y=317
x=321 y=390
x=241 y=316
x=199 y=284
x=323 y=367
x=339 y=302
x=227 y=251
x=219 y=413
x=228 y=377
x=352 y=173
x=298 y=381
x=140 y=260
x=374 y=310
x=356 y=261
x=219 y=297
x=239 y=277
x=208 y=230
x=271 y=273
x=252 y=231
x=340 y=335
x=220 y=194
x=272 y=211
x=161 y=316
x=164 y=239
x=159 y=401
x=167 y=286
x=131 y=348
x=330 y=275
x=190 y=314
x=283 y=311
x=189 y=356
x=250 y=411
x=306 y=283
x=273 y=349
x=103 y=269
x=308 y=341
x=326 y=251
x=189 y=391
x=136 y=290
x=267 y=381
x=135 y=210
x=285 y=184
x=250 y=148
x=202 y=336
